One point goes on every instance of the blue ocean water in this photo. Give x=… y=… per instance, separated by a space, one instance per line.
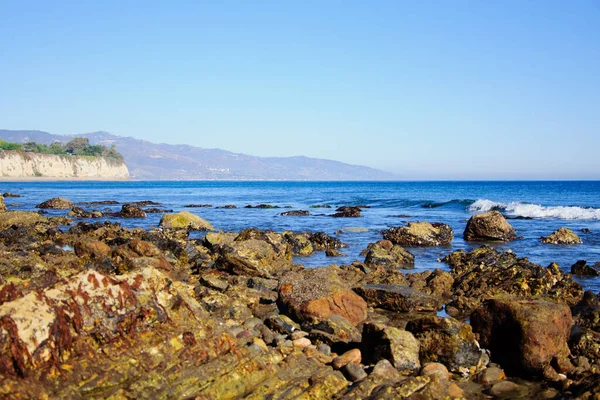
x=535 y=209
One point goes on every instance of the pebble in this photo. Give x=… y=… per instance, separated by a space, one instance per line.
x=252 y=323
x=301 y=342
x=386 y=370
x=324 y=348
x=508 y=390
x=354 y=372
x=490 y=375
x=351 y=356
x=435 y=371
x=298 y=335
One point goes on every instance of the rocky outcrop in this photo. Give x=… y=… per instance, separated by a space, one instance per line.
x=525 y=336
x=56 y=203
x=562 y=236
x=16 y=164
x=2 y=205
x=388 y=255
x=398 y=298
x=491 y=226
x=582 y=268
x=131 y=211
x=398 y=346
x=347 y=212
x=420 y=234
x=185 y=220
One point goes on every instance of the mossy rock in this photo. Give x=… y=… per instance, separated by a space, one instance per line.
x=25 y=218
x=183 y=220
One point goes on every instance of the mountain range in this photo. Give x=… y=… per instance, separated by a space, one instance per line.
x=160 y=161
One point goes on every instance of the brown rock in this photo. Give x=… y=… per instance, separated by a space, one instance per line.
x=56 y=203
x=2 y=205
x=94 y=249
x=132 y=211
x=562 y=236
x=524 y=336
x=351 y=356
x=398 y=346
x=320 y=293
x=420 y=234
x=398 y=298
x=385 y=254
x=435 y=371
x=489 y=226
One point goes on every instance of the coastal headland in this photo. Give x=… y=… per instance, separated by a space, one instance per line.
x=94 y=309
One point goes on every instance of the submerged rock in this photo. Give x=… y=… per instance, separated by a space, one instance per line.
x=489 y=226
x=295 y=213
x=77 y=212
x=56 y=203
x=347 y=212
x=185 y=220
x=525 y=336
x=581 y=267
x=320 y=293
x=562 y=236
x=131 y=211
x=420 y=234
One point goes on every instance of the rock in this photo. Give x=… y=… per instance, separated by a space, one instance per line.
x=20 y=218
x=56 y=203
x=9 y=194
x=524 y=335
x=301 y=342
x=300 y=243
x=420 y=234
x=435 y=371
x=508 y=390
x=562 y=236
x=320 y=293
x=197 y=206
x=398 y=346
x=484 y=273
x=347 y=212
x=322 y=241
x=2 y=205
x=385 y=370
x=281 y=324
x=390 y=257
x=491 y=375
x=262 y=206
x=295 y=213
x=398 y=298
x=185 y=220
x=77 y=212
x=93 y=249
x=333 y=330
x=353 y=229
x=256 y=253
x=228 y=206
x=582 y=268
x=354 y=372
x=213 y=281
x=325 y=349
x=330 y=252
x=351 y=356
x=132 y=211
x=489 y=226
x=447 y=341
x=215 y=240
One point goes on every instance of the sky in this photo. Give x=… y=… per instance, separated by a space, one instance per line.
x=425 y=89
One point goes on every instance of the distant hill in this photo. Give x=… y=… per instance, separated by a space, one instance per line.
x=152 y=161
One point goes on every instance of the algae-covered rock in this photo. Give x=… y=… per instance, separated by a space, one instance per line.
x=300 y=243
x=447 y=341
x=420 y=234
x=489 y=226
x=347 y=212
x=581 y=267
x=132 y=211
x=185 y=220
x=525 y=335
x=562 y=236
x=22 y=218
x=56 y=203
x=398 y=346
x=398 y=298
x=320 y=293
x=2 y=205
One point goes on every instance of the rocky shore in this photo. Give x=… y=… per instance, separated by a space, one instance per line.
x=96 y=310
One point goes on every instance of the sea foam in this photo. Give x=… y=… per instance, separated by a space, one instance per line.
x=527 y=210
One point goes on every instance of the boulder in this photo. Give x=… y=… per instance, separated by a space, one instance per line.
x=491 y=226
x=185 y=220
x=320 y=293
x=295 y=213
x=77 y=212
x=256 y=253
x=300 y=243
x=562 y=236
x=56 y=203
x=525 y=335
x=398 y=346
x=131 y=211
x=322 y=241
x=420 y=234
x=333 y=330
x=347 y=212
x=331 y=252
x=398 y=298
x=394 y=256
x=581 y=267
x=20 y=218
x=447 y=341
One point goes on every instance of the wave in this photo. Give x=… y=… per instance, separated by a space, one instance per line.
x=431 y=204
x=528 y=210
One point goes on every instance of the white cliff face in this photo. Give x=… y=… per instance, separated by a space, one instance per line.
x=16 y=164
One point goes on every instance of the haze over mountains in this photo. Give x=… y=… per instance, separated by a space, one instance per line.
x=152 y=161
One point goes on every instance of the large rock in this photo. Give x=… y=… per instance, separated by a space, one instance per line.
x=386 y=254
x=256 y=253
x=185 y=220
x=420 y=234
x=447 y=341
x=56 y=203
x=562 y=236
x=395 y=345
x=23 y=218
x=490 y=226
x=132 y=211
x=320 y=293
x=525 y=336
x=301 y=245
x=398 y=298
x=347 y=212
x=581 y=267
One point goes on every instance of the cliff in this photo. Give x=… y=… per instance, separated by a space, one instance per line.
x=16 y=164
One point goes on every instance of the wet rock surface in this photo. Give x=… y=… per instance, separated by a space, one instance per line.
x=56 y=203
x=562 y=236
x=95 y=309
x=491 y=226
x=420 y=234
x=185 y=220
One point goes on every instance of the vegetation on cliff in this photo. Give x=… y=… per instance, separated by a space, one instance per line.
x=77 y=147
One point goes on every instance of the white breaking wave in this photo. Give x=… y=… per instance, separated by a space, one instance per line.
x=526 y=210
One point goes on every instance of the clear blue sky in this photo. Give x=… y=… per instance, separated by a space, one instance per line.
x=442 y=89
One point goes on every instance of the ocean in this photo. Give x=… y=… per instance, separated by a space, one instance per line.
x=535 y=209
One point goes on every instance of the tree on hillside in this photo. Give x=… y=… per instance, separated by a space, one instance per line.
x=77 y=146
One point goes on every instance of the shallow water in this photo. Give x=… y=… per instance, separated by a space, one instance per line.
x=534 y=209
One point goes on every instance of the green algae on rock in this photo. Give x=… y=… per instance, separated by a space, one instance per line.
x=184 y=220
